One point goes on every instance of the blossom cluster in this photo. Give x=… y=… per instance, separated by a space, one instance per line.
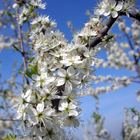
x=58 y=70
x=116 y=83
x=131 y=131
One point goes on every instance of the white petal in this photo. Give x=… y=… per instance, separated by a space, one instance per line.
x=36 y=85
x=86 y=54
x=40 y=107
x=73 y=113
x=72 y=106
x=18 y=116
x=68 y=86
x=60 y=82
x=113 y=3
x=138 y=98
x=31 y=111
x=107 y=11
x=48 y=124
x=41 y=131
x=75 y=81
x=76 y=122
x=119 y=6
x=63 y=105
x=64 y=115
x=38 y=137
x=28 y=92
x=48 y=112
x=33 y=120
x=66 y=62
x=62 y=72
x=67 y=90
x=70 y=71
x=114 y=14
x=136 y=118
x=50 y=79
x=35 y=77
x=43 y=75
x=61 y=108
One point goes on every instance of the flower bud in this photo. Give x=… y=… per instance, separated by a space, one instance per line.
x=15 y=6
x=121 y=26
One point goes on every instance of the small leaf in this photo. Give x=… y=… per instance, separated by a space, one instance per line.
x=36 y=97
x=15 y=48
x=33 y=26
x=36 y=68
x=9 y=14
x=1 y=107
x=20 y=72
x=28 y=73
x=31 y=8
x=31 y=68
x=133 y=110
x=31 y=59
x=107 y=39
x=9 y=137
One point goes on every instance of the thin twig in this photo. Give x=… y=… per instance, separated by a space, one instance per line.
x=136 y=60
x=21 y=45
x=9 y=120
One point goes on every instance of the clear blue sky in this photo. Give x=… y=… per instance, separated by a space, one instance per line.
x=112 y=104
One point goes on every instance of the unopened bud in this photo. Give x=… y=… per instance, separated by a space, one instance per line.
x=15 y=6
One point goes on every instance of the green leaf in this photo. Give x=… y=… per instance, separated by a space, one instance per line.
x=9 y=14
x=20 y=72
x=31 y=59
x=6 y=91
x=31 y=68
x=107 y=39
x=9 y=137
x=133 y=110
x=36 y=68
x=28 y=73
x=31 y=8
x=0 y=91
x=33 y=26
x=15 y=48
x=36 y=97
x=1 y=107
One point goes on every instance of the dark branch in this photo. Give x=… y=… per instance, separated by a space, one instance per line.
x=137 y=16
x=102 y=33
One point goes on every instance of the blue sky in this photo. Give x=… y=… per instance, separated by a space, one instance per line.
x=112 y=104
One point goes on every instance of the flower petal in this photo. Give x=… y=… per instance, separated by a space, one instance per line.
x=68 y=86
x=31 y=111
x=70 y=71
x=72 y=106
x=62 y=72
x=73 y=113
x=35 y=77
x=114 y=14
x=40 y=107
x=119 y=6
x=60 y=82
x=113 y=3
